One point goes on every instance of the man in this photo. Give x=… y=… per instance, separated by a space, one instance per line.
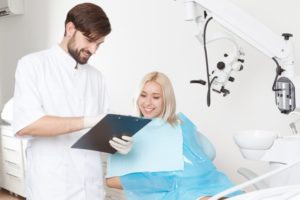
x=57 y=96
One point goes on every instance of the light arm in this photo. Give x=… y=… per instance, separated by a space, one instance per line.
x=243 y=25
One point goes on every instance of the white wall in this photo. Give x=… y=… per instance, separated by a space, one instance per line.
x=20 y=35
x=152 y=35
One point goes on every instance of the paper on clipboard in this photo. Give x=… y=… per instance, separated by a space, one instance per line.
x=97 y=138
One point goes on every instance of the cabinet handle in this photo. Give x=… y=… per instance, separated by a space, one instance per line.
x=9 y=149
x=11 y=163
x=14 y=176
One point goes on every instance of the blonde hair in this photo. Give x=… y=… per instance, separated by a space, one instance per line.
x=169 y=110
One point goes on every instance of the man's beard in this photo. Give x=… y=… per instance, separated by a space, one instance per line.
x=75 y=53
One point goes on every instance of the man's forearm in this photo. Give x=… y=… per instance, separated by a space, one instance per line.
x=52 y=126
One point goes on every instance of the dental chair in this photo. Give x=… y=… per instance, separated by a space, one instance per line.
x=248 y=174
x=207 y=147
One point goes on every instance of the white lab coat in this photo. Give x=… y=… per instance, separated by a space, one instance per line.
x=48 y=84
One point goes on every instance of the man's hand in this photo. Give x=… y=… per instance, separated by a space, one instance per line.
x=123 y=146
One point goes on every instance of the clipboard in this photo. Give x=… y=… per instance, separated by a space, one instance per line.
x=97 y=138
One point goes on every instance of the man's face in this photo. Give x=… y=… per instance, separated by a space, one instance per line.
x=81 y=48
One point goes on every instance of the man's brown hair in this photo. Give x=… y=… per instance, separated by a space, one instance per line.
x=89 y=19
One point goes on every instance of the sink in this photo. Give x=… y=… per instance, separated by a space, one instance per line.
x=254 y=143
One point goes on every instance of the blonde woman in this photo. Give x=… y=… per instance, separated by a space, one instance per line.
x=198 y=180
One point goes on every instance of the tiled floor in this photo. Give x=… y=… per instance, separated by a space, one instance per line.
x=4 y=195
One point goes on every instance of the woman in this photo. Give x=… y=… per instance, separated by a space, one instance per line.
x=199 y=178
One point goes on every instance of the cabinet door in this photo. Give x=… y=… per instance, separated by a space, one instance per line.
x=13 y=183
x=12 y=150
x=12 y=162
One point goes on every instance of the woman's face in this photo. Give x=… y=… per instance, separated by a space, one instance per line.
x=150 y=101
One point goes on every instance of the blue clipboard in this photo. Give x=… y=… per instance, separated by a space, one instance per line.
x=97 y=138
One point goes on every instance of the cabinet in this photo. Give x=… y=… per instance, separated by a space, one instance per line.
x=12 y=150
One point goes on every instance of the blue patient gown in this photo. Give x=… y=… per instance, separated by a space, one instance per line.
x=199 y=177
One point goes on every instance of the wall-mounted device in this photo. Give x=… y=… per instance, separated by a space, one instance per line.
x=11 y=7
